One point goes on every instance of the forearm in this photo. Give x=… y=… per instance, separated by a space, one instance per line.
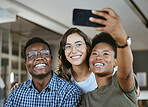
x=125 y=62
x=125 y=68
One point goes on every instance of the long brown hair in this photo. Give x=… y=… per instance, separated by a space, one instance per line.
x=64 y=64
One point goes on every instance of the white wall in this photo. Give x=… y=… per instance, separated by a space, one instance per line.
x=54 y=52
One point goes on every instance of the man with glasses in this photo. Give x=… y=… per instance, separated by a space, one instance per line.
x=45 y=88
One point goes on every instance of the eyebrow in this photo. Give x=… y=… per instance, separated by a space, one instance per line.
x=103 y=51
x=75 y=42
x=78 y=41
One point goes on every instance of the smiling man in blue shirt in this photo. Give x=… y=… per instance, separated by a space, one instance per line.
x=45 y=88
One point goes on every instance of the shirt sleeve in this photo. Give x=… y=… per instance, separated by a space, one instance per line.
x=134 y=87
x=9 y=100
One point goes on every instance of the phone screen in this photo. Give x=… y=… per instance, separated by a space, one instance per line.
x=81 y=17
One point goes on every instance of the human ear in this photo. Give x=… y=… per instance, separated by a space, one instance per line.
x=115 y=63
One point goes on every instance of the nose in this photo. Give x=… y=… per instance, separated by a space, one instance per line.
x=99 y=57
x=73 y=49
x=39 y=57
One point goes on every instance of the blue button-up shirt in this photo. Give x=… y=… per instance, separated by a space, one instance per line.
x=58 y=93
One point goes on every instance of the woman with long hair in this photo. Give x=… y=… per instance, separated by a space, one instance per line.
x=74 y=52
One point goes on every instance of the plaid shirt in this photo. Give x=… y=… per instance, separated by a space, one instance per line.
x=58 y=93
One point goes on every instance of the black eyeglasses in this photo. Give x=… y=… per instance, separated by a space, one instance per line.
x=34 y=54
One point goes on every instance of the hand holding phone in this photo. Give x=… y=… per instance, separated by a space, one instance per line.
x=81 y=18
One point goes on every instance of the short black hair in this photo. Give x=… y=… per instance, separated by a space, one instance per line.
x=35 y=40
x=106 y=38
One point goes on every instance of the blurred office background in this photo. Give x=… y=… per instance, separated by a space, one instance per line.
x=21 y=20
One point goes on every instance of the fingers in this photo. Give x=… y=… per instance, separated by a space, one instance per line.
x=99 y=21
x=110 y=12
x=112 y=22
x=17 y=84
x=100 y=29
x=101 y=13
x=14 y=87
x=108 y=16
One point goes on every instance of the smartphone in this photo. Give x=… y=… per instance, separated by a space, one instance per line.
x=81 y=18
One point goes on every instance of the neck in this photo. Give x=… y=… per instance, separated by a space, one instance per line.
x=80 y=72
x=102 y=80
x=41 y=83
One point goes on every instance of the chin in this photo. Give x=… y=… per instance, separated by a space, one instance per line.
x=97 y=72
x=101 y=74
x=77 y=63
x=40 y=76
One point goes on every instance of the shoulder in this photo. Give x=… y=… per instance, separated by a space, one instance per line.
x=23 y=86
x=66 y=86
x=27 y=83
x=90 y=94
x=19 y=90
x=88 y=98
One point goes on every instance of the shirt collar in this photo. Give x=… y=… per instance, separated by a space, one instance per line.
x=52 y=85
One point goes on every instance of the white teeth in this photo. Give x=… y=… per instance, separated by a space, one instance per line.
x=98 y=64
x=76 y=57
x=40 y=65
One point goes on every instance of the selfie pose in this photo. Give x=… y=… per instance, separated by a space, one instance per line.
x=73 y=63
x=74 y=55
x=108 y=50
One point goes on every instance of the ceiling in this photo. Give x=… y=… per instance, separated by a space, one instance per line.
x=25 y=30
x=55 y=17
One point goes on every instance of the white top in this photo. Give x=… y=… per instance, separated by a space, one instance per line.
x=87 y=85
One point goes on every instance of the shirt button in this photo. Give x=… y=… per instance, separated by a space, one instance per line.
x=39 y=96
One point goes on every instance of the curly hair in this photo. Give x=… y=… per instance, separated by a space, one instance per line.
x=107 y=38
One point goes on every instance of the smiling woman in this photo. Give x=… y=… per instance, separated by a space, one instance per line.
x=104 y=53
x=74 y=53
x=113 y=90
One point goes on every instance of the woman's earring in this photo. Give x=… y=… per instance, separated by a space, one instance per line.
x=89 y=69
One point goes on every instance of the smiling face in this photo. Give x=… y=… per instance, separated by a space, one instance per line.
x=75 y=49
x=102 y=59
x=41 y=65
